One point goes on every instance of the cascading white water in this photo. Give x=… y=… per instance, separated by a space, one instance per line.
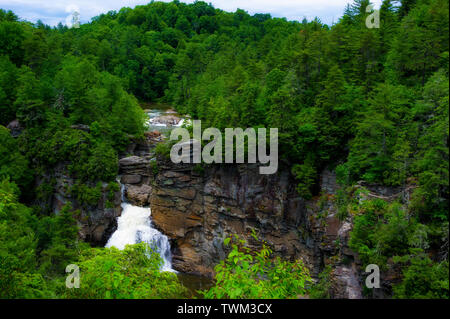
x=134 y=226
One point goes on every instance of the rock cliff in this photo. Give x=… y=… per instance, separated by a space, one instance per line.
x=198 y=207
x=96 y=221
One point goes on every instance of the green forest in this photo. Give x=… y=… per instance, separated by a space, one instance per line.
x=369 y=103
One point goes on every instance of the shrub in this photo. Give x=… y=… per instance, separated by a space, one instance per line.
x=124 y=274
x=163 y=150
x=321 y=290
x=248 y=273
x=423 y=278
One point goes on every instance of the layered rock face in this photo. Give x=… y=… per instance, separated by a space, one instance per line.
x=198 y=210
x=97 y=221
x=198 y=207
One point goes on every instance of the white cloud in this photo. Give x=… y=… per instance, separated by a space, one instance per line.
x=52 y=12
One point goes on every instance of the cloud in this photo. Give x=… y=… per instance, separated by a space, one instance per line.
x=52 y=12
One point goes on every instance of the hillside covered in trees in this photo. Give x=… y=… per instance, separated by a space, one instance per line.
x=370 y=104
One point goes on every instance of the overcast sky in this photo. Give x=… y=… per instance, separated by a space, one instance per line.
x=52 y=12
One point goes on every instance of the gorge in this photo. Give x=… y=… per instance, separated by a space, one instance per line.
x=362 y=170
x=197 y=208
x=187 y=211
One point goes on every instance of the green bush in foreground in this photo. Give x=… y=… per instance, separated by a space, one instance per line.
x=249 y=274
x=423 y=279
x=18 y=276
x=132 y=273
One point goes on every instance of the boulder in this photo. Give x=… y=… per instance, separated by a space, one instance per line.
x=152 y=134
x=168 y=120
x=15 y=128
x=134 y=165
x=131 y=179
x=132 y=161
x=138 y=195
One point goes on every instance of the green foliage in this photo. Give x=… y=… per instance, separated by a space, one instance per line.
x=18 y=276
x=109 y=273
x=321 y=290
x=381 y=231
x=102 y=164
x=422 y=36
x=431 y=162
x=113 y=188
x=342 y=200
x=385 y=233
x=252 y=274
x=12 y=33
x=373 y=149
x=154 y=167
x=86 y=194
x=163 y=150
x=30 y=107
x=86 y=158
x=8 y=89
x=13 y=164
x=423 y=279
x=62 y=250
x=306 y=173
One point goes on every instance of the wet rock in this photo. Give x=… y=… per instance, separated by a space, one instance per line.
x=131 y=179
x=135 y=165
x=153 y=137
x=328 y=182
x=194 y=211
x=152 y=134
x=168 y=120
x=138 y=195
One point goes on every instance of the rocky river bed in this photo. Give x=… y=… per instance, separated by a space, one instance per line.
x=163 y=120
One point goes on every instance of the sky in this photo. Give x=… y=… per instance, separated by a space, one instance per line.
x=54 y=11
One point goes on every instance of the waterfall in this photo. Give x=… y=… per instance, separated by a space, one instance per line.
x=135 y=226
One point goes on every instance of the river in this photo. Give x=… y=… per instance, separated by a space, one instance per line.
x=135 y=224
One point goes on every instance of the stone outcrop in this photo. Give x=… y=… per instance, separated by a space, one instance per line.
x=346 y=282
x=134 y=164
x=169 y=120
x=96 y=222
x=139 y=195
x=131 y=179
x=15 y=128
x=198 y=207
x=197 y=211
